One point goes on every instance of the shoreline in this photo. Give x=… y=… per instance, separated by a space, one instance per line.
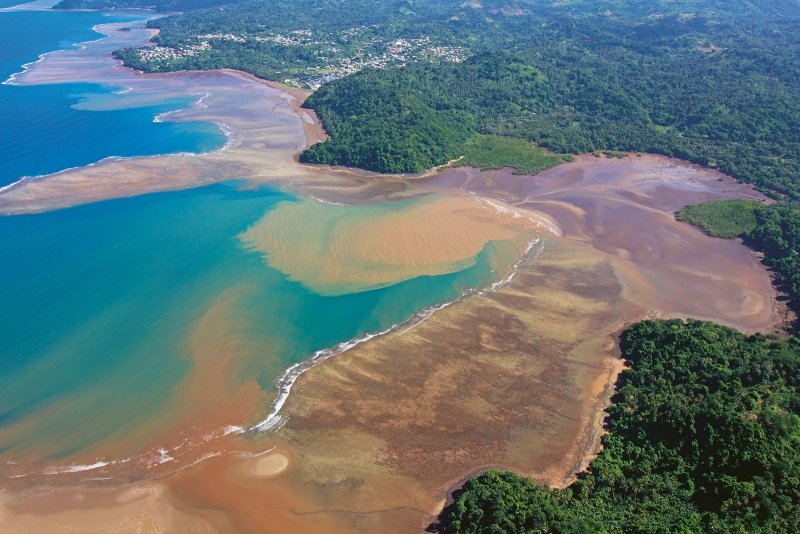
x=289 y=376
x=314 y=130
x=534 y=348
x=583 y=447
x=586 y=449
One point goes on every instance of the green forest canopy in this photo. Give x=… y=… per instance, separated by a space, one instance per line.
x=704 y=436
x=710 y=82
x=704 y=431
x=773 y=230
x=723 y=218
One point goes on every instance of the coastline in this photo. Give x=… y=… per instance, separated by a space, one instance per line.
x=290 y=375
x=314 y=387
x=518 y=376
x=308 y=117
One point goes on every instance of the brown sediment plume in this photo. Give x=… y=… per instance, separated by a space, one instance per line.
x=514 y=378
x=373 y=438
x=508 y=378
x=625 y=208
x=336 y=250
x=207 y=410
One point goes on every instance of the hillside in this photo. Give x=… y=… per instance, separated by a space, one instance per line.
x=708 y=82
x=703 y=437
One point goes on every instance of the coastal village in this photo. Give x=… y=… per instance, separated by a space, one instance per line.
x=346 y=53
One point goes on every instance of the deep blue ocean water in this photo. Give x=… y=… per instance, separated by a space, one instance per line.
x=41 y=133
x=100 y=305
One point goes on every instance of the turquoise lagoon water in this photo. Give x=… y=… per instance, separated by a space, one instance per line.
x=40 y=130
x=98 y=303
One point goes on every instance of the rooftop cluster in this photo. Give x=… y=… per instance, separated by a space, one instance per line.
x=332 y=56
x=157 y=54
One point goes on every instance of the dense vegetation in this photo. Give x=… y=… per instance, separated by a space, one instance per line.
x=777 y=235
x=488 y=152
x=711 y=82
x=773 y=230
x=704 y=433
x=412 y=119
x=631 y=93
x=156 y=5
x=704 y=436
x=724 y=218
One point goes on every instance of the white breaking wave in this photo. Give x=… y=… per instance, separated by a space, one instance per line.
x=12 y=80
x=229 y=136
x=230 y=139
x=37 y=5
x=285 y=382
x=275 y=420
x=199 y=104
x=76 y=468
x=326 y=201
x=202 y=458
x=538 y=220
x=287 y=379
x=9 y=186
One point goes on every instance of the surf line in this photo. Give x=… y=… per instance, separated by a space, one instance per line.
x=284 y=383
x=12 y=80
x=230 y=140
x=275 y=420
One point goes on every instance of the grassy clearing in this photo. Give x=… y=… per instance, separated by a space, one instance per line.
x=497 y=152
x=723 y=218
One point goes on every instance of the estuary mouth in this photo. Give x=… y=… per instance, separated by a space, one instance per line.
x=214 y=337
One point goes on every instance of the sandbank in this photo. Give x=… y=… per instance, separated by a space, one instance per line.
x=268 y=466
x=372 y=439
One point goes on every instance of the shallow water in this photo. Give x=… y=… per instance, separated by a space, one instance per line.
x=140 y=336
x=45 y=129
x=99 y=305
x=125 y=322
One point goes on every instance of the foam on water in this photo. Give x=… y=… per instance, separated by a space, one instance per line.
x=51 y=128
x=98 y=302
x=284 y=383
x=102 y=306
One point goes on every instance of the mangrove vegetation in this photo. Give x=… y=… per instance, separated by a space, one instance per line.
x=703 y=436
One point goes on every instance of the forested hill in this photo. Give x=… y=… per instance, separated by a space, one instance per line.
x=713 y=82
x=719 y=94
x=155 y=5
x=704 y=437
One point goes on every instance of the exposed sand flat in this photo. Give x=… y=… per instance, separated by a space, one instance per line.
x=624 y=208
x=36 y=5
x=260 y=120
x=144 y=509
x=269 y=466
x=373 y=438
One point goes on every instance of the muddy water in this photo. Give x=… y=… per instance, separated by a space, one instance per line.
x=371 y=439
x=624 y=208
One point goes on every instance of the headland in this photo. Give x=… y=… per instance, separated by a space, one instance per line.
x=515 y=375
